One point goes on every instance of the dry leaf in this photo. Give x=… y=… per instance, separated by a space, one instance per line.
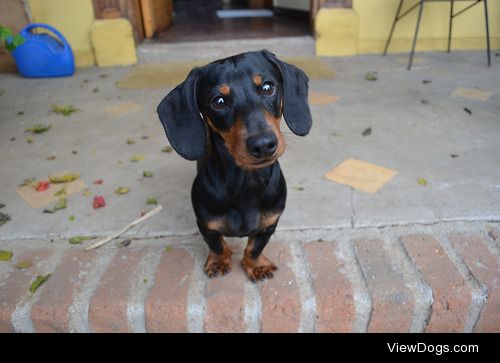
x=23 y=264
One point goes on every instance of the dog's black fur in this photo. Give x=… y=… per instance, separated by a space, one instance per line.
x=226 y=115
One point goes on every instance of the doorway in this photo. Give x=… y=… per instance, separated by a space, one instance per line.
x=201 y=20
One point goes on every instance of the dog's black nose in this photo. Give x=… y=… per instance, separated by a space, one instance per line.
x=262 y=146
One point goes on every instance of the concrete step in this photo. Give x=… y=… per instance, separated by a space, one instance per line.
x=152 y=52
x=438 y=278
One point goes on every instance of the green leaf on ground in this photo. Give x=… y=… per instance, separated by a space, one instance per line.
x=79 y=239
x=66 y=178
x=61 y=204
x=147 y=174
x=51 y=157
x=38 y=128
x=152 y=201
x=130 y=141
x=39 y=281
x=23 y=264
x=422 y=181
x=122 y=190
x=137 y=157
x=29 y=140
x=298 y=189
x=168 y=249
x=71 y=218
x=64 y=110
x=371 y=76
x=61 y=192
x=5 y=255
x=167 y=149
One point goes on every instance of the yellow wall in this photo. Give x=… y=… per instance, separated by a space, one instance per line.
x=73 y=18
x=375 y=17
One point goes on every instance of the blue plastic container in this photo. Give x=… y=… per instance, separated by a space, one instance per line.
x=42 y=55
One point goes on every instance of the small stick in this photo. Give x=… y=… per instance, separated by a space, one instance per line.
x=125 y=229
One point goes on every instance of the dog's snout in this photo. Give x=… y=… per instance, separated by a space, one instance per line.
x=262 y=146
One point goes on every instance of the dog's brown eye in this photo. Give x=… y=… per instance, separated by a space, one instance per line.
x=218 y=103
x=268 y=89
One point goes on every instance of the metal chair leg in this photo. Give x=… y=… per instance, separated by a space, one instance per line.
x=393 y=26
x=451 y=24
x=487 y=32
x=421 y=7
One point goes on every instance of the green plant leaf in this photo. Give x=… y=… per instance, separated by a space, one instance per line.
x=167 y=149
x=39 y=281
x=5 y=33
x=147 y=174
x=5 y=255
x=66 y=178
x=79 y=239
x=38 y=128
x=64 y=110
x=422 y=181
x=137 y=157
x=23 y=264
x=152 y=201
x=122 y=190
x=371 y=76
x=61 y=204
x=4 y=218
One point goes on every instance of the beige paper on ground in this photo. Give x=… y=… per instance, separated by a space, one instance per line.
x=361 y=175
x=123 y=108
x=322 y=99
x=41 y=199
x=471 y=93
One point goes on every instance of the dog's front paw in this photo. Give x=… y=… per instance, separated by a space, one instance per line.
x=218 y=265
x=258 y=269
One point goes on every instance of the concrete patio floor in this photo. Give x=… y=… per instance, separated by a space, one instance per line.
x=416 y=128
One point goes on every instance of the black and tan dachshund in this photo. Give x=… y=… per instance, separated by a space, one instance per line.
x=226 y=115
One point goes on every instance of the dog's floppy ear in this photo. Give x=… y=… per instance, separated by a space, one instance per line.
x=295 y=91
x=181 y=119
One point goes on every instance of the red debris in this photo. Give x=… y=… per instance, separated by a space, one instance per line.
x=99 y=202
x=42 y=186
x=98 y=181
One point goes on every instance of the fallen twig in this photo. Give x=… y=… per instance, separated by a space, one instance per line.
x=125 y=229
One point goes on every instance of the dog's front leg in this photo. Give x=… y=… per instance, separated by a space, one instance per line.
x=256 y=265
x=219 y=255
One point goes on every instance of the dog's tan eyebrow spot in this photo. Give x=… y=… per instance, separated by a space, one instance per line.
x=257 y=80
x=225 y=90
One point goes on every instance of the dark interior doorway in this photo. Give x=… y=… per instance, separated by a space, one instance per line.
x=199 y=20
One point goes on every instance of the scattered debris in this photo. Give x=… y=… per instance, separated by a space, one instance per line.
x=422 y=181
x=125 y=243
x=71 y=218
x=20 y=113
x=99 y=202
x=51 y=157
x=79 y=239
x=12 y=139
x=42 y=186
x=29 y=140
x=4 y=218
x=28 y=182
x=86 y=192
x=454 y=156
x=60 y=193
x=63 y=178
x=95 y=90
x=38 y=128
x=168 y=249
x=147 y=174
x=39 y=281
x=468 y=110
x=64 y=110
x=23 y=265
x=424 y=102
x=125 y=229
x=145 y=137
x=98 y=182
x=167 y=149
x=130 y=141
x=298 y=189
x=74 y=152
x=103 y=75
x=367 y=131
x=151 y=201
x=6 y=255
x=122 y=190
x=61 y=204
x=137 y=157
x=426 y=81
x=2 y=205
x=371 y=76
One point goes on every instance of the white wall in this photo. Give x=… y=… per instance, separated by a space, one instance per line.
x=292 y=4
